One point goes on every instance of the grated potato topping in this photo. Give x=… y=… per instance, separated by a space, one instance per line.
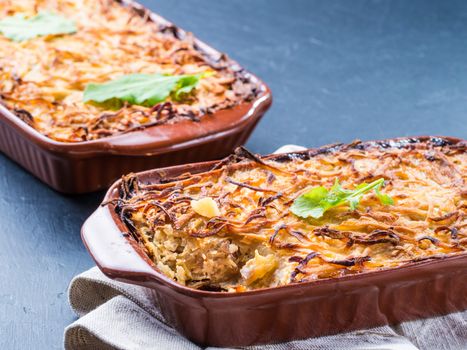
x=42 y=79
x=256 y=242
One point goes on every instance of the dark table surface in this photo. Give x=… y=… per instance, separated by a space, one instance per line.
x=339 y=70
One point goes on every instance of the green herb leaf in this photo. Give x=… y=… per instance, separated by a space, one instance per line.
x=141 y=89
x=20 y=28
x=383 y=198
x=311 y=203
x=318 y=200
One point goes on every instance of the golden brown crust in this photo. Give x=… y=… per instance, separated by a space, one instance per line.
x=42 y=79
x=257 y=242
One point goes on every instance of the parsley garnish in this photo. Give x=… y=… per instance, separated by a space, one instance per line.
x=20 y=28
x=318 y=200
x=141 y=89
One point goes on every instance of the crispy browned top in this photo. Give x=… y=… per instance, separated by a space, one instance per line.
x=256 y=242
x=42 y=79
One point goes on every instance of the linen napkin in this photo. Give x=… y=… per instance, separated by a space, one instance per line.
x=116 y=315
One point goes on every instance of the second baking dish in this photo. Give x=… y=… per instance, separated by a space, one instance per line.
x=211 y=107
x=232 y=262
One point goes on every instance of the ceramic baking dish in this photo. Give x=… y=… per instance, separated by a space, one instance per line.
x=91 y=165
x=309 y=309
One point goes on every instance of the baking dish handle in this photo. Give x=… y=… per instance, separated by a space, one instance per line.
x=112 y=251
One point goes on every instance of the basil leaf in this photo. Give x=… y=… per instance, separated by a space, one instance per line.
x=20 y=28
x=318 y=200
x=141 y=89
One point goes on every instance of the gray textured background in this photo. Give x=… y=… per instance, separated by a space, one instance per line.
x=339 y=70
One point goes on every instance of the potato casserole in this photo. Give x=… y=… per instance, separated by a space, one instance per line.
x=234 y=228
x=42 y=79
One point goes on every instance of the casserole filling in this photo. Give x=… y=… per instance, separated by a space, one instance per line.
x=42 y=79
x=232 y=228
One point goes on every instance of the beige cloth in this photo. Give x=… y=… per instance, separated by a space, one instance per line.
x=115 y=315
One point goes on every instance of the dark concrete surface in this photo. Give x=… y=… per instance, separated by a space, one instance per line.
x=339 y=70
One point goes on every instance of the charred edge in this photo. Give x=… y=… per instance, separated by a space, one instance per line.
x=242 y=153
x=217 y=227
x=295 y=258
x=356 y=144
x=297 y=234
x=445 y=216
x=302 y=262
x=460 y=146
x=124 y=217
x=271 y=178
x=375 y=237
x=454 y=233
x=345 y=262
x=288 y=246
x=379 y=236
x=172 y=30
x=264 y=202
x=289 y=157
x=137 y=9
x=254 y=217
x=182 y=177
x=164 y=210
x=433 y=240
x=306 y=155
x=429 y=156
x=148 y=188
x=134 y=235
x=218 y=62
x=158 y=109
x=452 y=230
x=24 y=115
x=258 y=213
x=350 y=261
x=329 y=148
x=102 y=118
x=254 y=188
x=191 y=116
x=359 y=145
x=276 y=231
x=227 y=160
x=431 y=257
x=183 y=199
x=328 y=232
x=115 y=201
x=440 y=142
x=211 y=288
x=179 y=34
x=129 y=186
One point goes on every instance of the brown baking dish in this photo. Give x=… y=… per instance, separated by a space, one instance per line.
x=295 y=311
x=92 y=165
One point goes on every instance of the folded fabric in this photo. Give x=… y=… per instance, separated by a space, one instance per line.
x=115 y=315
